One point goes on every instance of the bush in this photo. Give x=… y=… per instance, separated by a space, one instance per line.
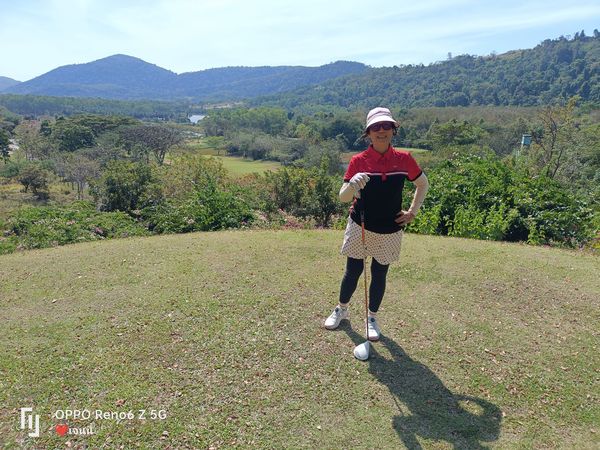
x=7 y=245
x=210 y=208
x=480 y=197
x=127 y=187
x=550 y=214
x=428 y=220
x=473 y=223
x=34 y=177
x=40 y=227
x=12 y=168
x=186 y=174
x=306 y=193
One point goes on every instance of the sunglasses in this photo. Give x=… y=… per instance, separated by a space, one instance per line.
x=381 y=125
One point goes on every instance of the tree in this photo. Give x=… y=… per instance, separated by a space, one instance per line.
x=81 y=170
x=345 y=128
x=126 y=186
x=329 y=150
x=31 y=142
x=45 y=128
x=36 y=178
x=70 y=136
x=454 y=132
x=155 y=139
x=216 y=142
x=555 y=140
x=4 y=146
x=325 y=195
x=290 y=187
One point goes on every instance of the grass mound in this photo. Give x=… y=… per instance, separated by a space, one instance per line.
x=217 y=337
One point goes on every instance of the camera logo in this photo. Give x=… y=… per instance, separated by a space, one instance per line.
x=27 y=422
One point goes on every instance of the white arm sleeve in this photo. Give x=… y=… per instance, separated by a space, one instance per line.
x=421 y=187
x=346 y=193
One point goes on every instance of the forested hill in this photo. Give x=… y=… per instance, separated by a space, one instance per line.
x=124 y=77
x=6 y=82
x=557 y=68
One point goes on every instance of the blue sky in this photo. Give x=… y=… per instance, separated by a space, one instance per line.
x=37 y=36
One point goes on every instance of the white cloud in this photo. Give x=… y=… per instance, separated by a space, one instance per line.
x=188 y=35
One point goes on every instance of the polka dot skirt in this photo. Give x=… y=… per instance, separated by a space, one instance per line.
x=385 y=248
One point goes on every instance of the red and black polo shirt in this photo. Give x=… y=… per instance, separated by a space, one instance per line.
x=381 y=198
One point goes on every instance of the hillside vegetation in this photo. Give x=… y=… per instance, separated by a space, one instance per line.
x=153 y=178
x=123 y=77
x=46 y=105
x=6 y=82
x=555 y=69
x=484 y=344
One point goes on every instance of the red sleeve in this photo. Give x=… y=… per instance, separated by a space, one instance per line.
x=413 y=169
x=352 y=170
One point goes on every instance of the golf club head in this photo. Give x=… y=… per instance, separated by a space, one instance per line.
x=361 y=351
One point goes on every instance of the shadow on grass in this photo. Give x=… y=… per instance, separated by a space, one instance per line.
x=426 y=407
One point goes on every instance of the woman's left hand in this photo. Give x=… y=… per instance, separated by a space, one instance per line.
x=404 y=217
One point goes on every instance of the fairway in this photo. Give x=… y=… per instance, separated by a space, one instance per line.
x=239 y=166
x=235 y=165
x=484 y=344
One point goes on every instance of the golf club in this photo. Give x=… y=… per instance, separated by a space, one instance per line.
x=362 y=351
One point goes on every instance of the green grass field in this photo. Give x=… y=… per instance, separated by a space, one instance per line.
x=239 y=166
x=485 y=345
x=236 y=166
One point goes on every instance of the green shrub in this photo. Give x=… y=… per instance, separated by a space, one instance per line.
x=210 y=208
x=483 y=198
x=35 y=177
x=126 y=186
x=306 y=193
x=7 y=245
x=550 y=214
x=12 y=168
x=427 y=221
x=467 y=222
x=40 y=227
x=498 y=221
x=188 y=173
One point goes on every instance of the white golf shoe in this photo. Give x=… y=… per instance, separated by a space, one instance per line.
x=374 y=331
x=333 y=321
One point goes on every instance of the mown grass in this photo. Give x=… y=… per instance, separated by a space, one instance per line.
x=236 y=166
x=239 y=166
x=484 y=344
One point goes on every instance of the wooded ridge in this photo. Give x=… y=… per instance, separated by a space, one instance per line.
x=555 y=69
x=124 y=77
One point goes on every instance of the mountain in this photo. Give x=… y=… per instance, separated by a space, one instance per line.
x=125 y=77
x=115 y=77
x=555 y=69
x=6 y=82
x=232 y=83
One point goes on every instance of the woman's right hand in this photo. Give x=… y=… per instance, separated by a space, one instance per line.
x=359 y=181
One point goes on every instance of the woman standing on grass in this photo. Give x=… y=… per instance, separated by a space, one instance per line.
x=374 y=181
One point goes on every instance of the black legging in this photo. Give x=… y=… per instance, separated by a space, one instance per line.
x=354 y=268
